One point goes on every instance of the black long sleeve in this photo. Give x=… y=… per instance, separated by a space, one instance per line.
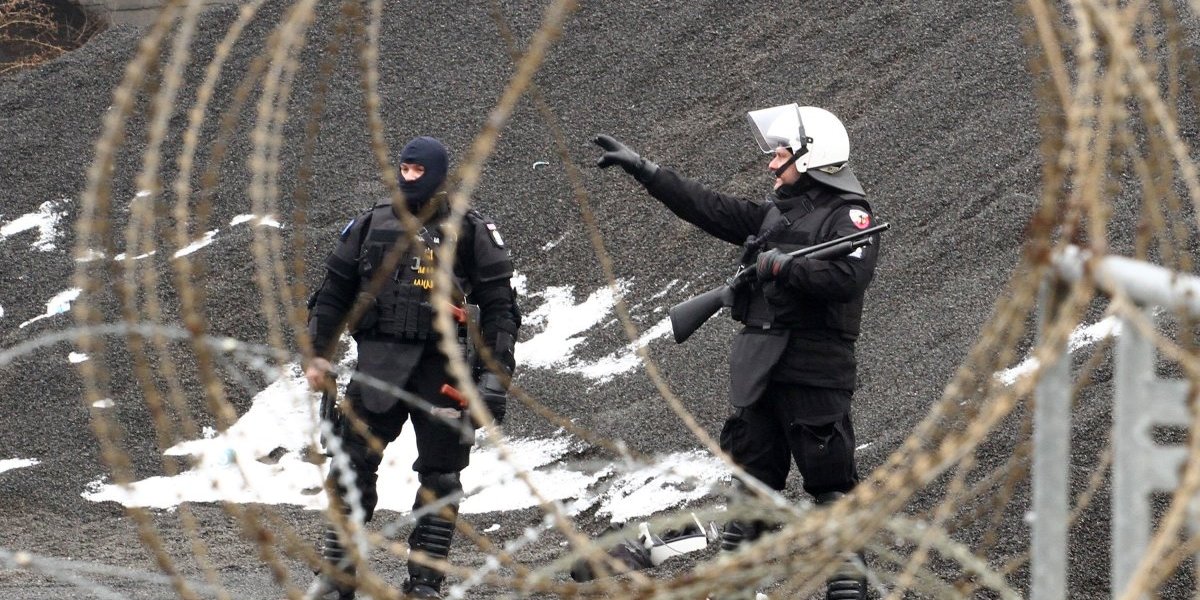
x=500 y=318
x=725 y=217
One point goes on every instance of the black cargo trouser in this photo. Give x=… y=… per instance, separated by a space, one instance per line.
x=810 y=425
x=440 y=445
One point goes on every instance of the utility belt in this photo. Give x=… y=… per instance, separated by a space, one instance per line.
x=752 y=307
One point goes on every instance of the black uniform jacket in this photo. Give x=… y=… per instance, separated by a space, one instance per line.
x=483 y=271
x=813 y=310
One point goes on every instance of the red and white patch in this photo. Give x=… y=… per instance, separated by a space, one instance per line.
x=499 y=241
x=860 y=218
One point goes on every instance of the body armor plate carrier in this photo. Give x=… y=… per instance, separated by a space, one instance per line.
x=401 y=309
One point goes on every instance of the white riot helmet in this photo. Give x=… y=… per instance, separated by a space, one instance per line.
x=817 y=139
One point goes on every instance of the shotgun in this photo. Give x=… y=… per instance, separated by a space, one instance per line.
x=689 y=315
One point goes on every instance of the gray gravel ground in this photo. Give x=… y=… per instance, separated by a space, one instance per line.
x=937 y=96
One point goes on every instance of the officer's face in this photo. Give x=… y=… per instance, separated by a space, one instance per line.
x=791 y=175
x=411 y=171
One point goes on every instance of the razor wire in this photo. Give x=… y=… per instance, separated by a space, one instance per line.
x=912 y=515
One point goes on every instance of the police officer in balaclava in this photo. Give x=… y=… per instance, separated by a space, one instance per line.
x=792 y=366
x=397 y=345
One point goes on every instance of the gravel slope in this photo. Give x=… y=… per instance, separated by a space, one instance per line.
x=936 y=95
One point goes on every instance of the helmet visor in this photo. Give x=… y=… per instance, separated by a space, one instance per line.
x=778 y=126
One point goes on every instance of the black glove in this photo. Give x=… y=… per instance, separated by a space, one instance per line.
x=494 y=395
x=772 y=264
x=616 y=153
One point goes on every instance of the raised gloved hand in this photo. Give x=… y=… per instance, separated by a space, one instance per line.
x=495 y=396
x=772 y=264
x=616 y=153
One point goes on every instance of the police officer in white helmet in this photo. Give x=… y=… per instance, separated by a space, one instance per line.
x=792 y=366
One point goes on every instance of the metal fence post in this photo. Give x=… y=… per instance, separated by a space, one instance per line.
x=1051 y=462
x=1140 y=466
x=1142 y=401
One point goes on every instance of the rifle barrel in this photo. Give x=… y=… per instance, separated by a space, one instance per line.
x=854 y=236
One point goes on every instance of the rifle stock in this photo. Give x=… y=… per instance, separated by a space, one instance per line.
x=689 y=315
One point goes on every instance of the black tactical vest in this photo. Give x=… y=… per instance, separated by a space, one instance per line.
x=803 y=223
x=402 y=306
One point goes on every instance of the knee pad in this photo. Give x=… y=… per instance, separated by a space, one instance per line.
x=441 y=484
x=433 y=532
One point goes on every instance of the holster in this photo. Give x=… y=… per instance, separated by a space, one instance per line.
x=744 y=295
x=466 y=340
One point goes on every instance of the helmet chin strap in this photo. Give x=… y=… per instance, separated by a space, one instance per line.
x=795 y=157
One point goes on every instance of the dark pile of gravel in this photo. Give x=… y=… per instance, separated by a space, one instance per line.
x=936 y=95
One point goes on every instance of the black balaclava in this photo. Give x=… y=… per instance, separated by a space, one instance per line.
x=431 y=154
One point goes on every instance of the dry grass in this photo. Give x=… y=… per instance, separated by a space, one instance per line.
x=35 y=31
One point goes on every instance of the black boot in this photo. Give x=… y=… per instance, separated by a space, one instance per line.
x=327 y=586
x=736 y=533
x=733 y=535
x=849 y=582
x=432 y=535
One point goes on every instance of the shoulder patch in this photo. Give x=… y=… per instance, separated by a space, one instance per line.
x=860 y=218
x=495 y=234
x=346 y=230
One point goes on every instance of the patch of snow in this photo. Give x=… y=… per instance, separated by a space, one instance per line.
x=9 y=464
x=59 y=304
x=1080 y=338
x=198 y=244
x=45 y=221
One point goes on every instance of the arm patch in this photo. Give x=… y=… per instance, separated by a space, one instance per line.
x=860 y=217
x=490 y=258
x=494 y=233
